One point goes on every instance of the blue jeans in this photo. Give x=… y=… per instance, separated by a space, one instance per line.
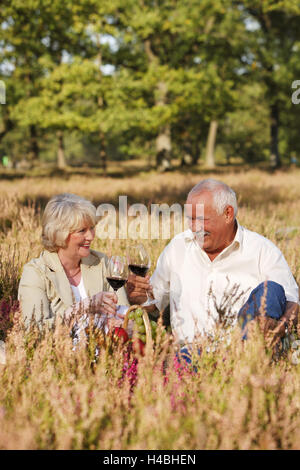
x=274 y=306
x=184 y=356
x=274 y=299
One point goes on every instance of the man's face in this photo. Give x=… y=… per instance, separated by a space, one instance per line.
x=213 y=231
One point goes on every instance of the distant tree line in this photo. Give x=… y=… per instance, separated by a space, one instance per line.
x=94 y=80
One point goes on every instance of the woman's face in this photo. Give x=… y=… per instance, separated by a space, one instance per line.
x=79 y=241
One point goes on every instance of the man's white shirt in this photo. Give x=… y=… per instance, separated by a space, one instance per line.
x=196 y=288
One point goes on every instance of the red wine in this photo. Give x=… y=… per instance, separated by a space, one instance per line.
x=116 y=282
x=138 y=269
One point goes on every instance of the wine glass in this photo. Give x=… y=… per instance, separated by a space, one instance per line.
x=139 y=263
x=117 y=272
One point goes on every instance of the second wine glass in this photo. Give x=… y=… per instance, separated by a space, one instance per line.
x=139 y=263
x=117 y=272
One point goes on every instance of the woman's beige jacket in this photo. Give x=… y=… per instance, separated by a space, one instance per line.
x=45 y=292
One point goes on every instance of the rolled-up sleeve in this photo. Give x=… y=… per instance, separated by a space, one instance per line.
x=274 y=267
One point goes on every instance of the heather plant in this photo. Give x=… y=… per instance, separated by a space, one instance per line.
x=53 y=397
x=235 y=395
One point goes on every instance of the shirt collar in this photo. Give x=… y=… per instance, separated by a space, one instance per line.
x=188 y=235
x=237 y=241
x=239 y=234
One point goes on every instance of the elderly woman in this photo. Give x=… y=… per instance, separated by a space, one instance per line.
x=68 y=277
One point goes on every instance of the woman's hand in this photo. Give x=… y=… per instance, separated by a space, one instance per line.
x=106 y=303
x=107 y=308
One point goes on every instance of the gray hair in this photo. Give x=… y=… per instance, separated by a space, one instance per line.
x=223 y=195
x=64 y=214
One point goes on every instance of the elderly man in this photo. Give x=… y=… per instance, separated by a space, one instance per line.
x=218 y=270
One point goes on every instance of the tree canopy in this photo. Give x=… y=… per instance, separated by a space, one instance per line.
x=146 y=79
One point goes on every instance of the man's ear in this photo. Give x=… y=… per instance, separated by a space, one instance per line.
x=229 y=214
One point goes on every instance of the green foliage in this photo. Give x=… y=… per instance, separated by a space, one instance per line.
x=128 y=72
x=245 y=131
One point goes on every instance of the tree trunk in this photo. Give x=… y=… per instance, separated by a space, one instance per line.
x=275 y=159
x=7 y=124
x=102 y=153
x=163 y=140
x=163 y=149
x=101 y=105
x=34 y=150
x=210 y=145
x=196 y=152
x=61 y=159
x=187 y=157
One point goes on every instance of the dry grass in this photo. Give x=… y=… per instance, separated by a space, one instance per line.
x=52 y=397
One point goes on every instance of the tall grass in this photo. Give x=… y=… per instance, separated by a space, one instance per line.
x=55 y=397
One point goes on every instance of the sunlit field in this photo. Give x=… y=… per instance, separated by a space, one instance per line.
x=240 y=395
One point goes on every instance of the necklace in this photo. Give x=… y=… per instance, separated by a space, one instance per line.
x=70 y=276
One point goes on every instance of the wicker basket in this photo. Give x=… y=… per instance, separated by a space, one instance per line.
x=149 y=340
x=101 y=338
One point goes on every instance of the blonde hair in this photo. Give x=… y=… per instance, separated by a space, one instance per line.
x=64 y=214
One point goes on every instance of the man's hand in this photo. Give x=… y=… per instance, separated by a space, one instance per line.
x=275 y=329
x=272 y=330
x=137 y=288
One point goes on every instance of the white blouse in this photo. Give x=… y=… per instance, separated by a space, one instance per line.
x=79 y=291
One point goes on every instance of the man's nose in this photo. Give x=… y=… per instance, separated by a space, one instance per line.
x=197 y=225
